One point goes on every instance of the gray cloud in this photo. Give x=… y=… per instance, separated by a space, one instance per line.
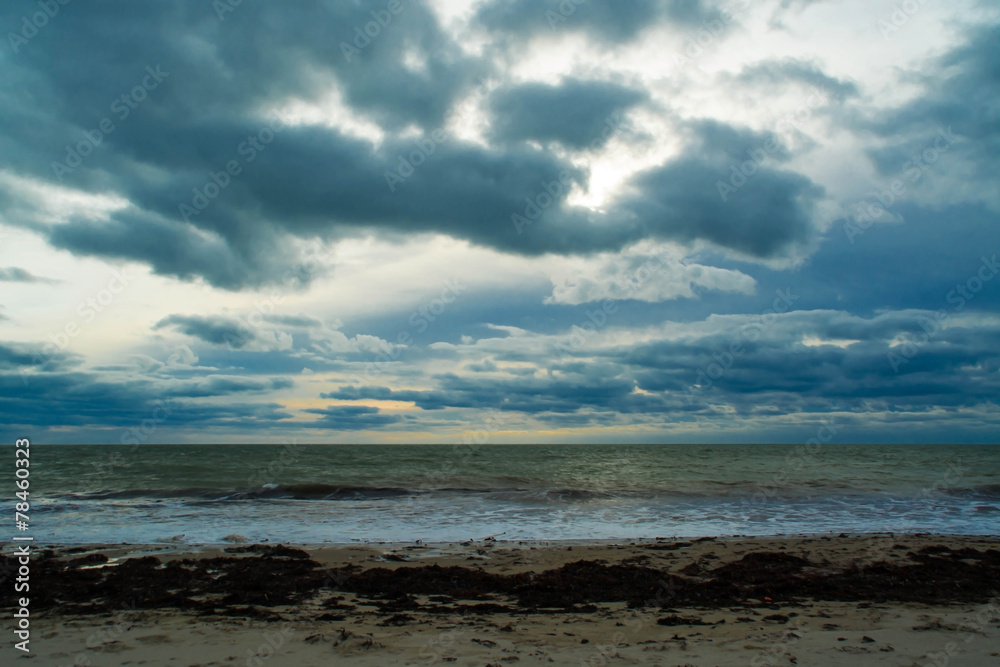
x=763 y=214
x=222 y=81
x=577 y=114
x=351 y=418
x=82 y=400
x=41 y=358
x=960 y=97
x=18 y=275
x=318 y=183
x=220 y=386
x=770 y=73
x=174 y=249
x=605 y=20
x=214 y=330
x=680 y=201
x=299 y=321
x=848 y=367
x=530 y=395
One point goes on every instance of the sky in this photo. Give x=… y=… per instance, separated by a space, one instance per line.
x=499 y=221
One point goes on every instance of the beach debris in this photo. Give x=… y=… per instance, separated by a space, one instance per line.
x=397 y=619
x=681 y=620
x=255 y=580
x=669 y=546
x=88 y=560
x=396 y=558
x=271 y=551
x=760 y=568
x=331 y=617
x=488 y=643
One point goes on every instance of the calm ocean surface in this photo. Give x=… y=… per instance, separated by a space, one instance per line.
x=339 y=494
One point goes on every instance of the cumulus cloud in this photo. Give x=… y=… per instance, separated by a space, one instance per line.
x=577 y=114
x=956 y=114
x=719 y=193
x=643 y=273
x=188 y=217
x=297 y=150
x=787 y=71
x=215 y=330
x=605 y=20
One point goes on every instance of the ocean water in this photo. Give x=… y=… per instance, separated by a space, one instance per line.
x=203 y=494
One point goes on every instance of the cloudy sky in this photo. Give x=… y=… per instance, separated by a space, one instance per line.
x=508 y=220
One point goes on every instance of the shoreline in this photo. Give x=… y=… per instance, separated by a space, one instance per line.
x=727 y=600
x=194 y=546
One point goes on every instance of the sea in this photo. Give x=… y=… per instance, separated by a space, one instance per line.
x=341 y=494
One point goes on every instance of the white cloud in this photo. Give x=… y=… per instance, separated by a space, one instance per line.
x=644 y=272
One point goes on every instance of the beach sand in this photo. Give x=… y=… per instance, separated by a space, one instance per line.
x=846 y=600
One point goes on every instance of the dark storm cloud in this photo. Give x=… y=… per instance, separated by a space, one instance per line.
x=256 y=53
x=18 y=275
x=726 y=189
x=174 y=249
x=606 y=20
x=317 y=183
x=892 y=364
x=215 y=330
x=577 y=114
x=47 y=357
x=220 y=386
x=461 y=190
x=898 y=266
x=530 y=395
x=376 y=78
x=772 y=73
x=46 y=400
x=930 y=370
x=351 y=418
x=214 y=77
x=681 y=202
x=534 y=396
x=209 y=84
x=961 y=92
x=204 y=86
x=714 y=139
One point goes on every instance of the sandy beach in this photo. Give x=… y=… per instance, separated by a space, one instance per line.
x=846 y=600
